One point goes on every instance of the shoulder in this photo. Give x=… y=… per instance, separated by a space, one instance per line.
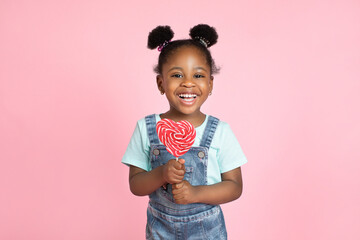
x=223 y=128
x=222 y=135
x=141 y=123
x=140 y=128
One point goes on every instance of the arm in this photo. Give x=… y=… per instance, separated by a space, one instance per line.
x=229 y=189
x=144 y=183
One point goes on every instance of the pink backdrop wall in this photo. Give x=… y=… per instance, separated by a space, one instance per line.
x=75 y=76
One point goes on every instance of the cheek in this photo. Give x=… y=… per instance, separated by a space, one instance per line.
x=206 y=86
x=169 y=87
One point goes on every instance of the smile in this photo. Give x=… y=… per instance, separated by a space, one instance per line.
x=187 y=98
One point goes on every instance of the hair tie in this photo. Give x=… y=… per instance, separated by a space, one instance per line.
x=203 y=41
x=163 y=45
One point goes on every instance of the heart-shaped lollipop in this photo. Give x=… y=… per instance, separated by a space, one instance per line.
x=178 y=137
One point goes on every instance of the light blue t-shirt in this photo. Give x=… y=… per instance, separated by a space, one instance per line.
x=224 y=154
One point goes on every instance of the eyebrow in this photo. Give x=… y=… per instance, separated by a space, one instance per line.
x=201 y=68
x=174 y=68
x=182 y=69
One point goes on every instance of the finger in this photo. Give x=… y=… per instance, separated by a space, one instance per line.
x=177 y=179
x=178 y=165
x=178 y=196
x=180 y=201
x=181 y=161
x=172 y=162
x=182 y=167
x=176 y=191
x=179 y=185
x=179 y=172
x=185 y=182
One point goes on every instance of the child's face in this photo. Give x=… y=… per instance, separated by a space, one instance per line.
x=186 y=80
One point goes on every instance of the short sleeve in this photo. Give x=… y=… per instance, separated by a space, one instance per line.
x=137 y=152
x=230 y=155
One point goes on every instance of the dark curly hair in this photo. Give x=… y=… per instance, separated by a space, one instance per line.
x=202 y=37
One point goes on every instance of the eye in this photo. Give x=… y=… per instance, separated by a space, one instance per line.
x=176 y=75
x=198 y=76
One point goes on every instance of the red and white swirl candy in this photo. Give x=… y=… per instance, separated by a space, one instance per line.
x=178 y=137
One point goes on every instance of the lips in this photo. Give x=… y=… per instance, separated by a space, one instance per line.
x=187 y=98
x=187 y=95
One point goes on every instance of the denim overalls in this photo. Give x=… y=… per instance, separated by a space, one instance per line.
x=168 y=220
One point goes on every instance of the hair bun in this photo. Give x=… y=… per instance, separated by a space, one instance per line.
x=204 y=31
x=159 y=35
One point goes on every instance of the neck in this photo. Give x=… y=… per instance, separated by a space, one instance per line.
x=196 y=118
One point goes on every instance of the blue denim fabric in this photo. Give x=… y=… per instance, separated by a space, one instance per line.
x=165 y=218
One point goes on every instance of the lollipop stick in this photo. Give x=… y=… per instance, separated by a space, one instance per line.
x=177 y=159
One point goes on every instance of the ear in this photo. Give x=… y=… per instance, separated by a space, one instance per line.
x=211 y=83
x=159 y=82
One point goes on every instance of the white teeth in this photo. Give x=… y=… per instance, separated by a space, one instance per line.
x=187 y=95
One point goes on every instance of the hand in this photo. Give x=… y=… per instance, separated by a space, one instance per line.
x=184 y=192
x=174 y=171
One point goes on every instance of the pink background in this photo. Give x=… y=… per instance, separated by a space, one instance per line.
x=75 y=76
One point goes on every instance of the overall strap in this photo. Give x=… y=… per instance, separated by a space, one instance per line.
x=151 y=129
x=209 y=132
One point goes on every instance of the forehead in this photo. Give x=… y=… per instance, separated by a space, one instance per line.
x=187 y=55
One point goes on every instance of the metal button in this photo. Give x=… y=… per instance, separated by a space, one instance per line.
x=156 y=152
x=201 y=154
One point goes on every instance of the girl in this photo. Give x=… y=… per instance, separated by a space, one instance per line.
x=185 y=195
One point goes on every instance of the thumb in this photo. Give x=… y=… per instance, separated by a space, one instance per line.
x=182 y=161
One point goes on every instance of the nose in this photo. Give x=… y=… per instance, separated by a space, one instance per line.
x=187 y=82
